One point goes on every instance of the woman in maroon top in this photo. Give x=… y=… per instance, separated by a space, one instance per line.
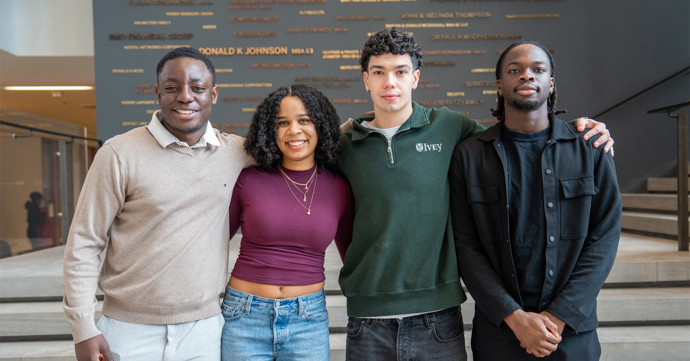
x=290 y=208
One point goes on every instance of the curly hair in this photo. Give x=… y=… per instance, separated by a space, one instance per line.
x=391 y=42
x=261 y=144
x=500 y=111
x=184 y=52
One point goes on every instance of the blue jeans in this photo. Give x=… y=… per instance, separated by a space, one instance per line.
x=430 y=336
x=258 y=328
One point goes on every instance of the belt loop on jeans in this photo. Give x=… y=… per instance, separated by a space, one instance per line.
x=248 y=303
x=427 y=320
x=301 y=305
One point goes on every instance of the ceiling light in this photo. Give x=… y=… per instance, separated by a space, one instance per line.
x=49 y=88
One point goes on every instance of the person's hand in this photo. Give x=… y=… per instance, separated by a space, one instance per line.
x=594 y=129
x=93 y=349
x=347 y=125
x=537 y=334
x=555 y=320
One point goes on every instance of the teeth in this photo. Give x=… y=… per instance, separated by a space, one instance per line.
x=185 y=111
x=296 y=143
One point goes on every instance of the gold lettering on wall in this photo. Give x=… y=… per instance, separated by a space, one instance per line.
x=446 y=15
x=138 y=102
x=266 y=19
x=340 y=54
x=153 y=22
x=454 y=52
x=252 y=50
x=146 y=89
x=353 y=18
x=428 y=25
x=446 y=102
x=480 y=83
x=153 y=47
x=255 y=34
x=468 y=37
x=532 y=16
x=310 y=30
x=166 y=2
x=300 y=51
x=151 y=36
x=438 y=63
x=312 y=12
x=189 y=13
x=128 y=71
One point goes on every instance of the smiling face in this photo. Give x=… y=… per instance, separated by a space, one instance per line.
x=390 y=79
x=525 y=81
x=186 y=95
x=296 y=135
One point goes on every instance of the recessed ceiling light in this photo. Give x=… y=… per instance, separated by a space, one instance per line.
x=49 y=88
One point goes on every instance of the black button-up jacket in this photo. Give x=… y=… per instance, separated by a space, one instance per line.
x=582 y=208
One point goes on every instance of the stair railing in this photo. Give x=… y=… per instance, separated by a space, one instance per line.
x=682 y=121
x=38 y=130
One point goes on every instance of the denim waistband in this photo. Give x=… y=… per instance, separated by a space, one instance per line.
x=249 y=300
x=421 y=319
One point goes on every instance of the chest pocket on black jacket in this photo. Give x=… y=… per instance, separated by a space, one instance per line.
x=484 y=201
x=575 y=206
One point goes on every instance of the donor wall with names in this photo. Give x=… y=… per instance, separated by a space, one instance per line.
x=259 y=45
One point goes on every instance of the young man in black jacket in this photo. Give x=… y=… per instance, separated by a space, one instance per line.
x=536 y=218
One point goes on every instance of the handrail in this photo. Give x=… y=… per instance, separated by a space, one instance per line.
x=642 y=91
x=32 y=129
x=682 y=179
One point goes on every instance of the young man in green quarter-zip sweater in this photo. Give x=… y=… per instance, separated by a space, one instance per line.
x=400 y=273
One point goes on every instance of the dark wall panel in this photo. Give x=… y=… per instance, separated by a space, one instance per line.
x=605 y=51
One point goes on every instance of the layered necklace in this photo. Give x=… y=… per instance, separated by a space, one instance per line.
x=310 y=184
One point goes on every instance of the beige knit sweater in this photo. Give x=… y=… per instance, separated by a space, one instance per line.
x=162 y=216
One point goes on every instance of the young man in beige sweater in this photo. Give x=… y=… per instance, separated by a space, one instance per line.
x=156 y=200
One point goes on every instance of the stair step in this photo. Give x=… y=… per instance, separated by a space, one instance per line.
x=21 y=278
x=668 y=343
x=635 y=305
x=653 y=223
x=662 y=184
x=651 y=201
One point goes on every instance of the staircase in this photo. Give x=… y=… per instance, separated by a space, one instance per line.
x=654 y=213
x=644 y=309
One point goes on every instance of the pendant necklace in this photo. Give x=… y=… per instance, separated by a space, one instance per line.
x=297 y=184
x=314 y=176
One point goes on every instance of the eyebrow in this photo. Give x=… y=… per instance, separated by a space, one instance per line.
x=299 y=115
x=194 y=80
x=533 y=63
x=395 y=67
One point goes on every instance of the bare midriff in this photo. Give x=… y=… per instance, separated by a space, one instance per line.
x=273 y=291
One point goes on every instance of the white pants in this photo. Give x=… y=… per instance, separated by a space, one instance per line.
x=196 y=340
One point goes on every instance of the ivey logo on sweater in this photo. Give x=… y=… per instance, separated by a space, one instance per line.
x=426 y=147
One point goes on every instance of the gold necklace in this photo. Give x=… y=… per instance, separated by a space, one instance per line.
x=305 y=185
x=297 y=184
x=316 y=176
